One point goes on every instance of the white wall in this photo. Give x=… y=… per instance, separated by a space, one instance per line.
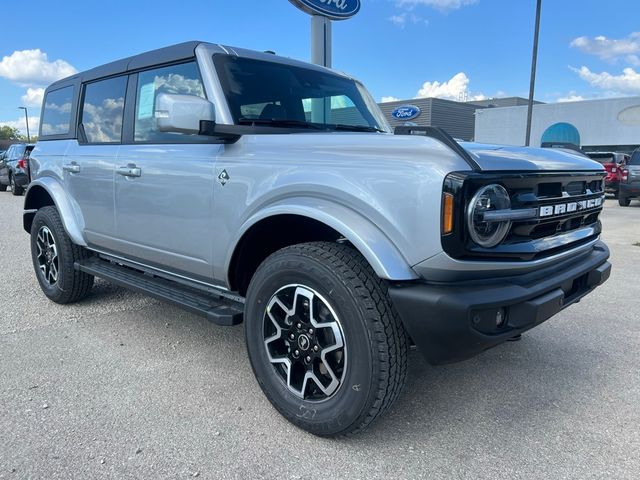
x=613 y=121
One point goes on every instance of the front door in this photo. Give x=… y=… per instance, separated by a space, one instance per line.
x=164 y=183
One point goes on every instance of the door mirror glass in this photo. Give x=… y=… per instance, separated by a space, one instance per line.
x=182 y=113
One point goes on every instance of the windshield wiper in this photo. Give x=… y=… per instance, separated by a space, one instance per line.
x=355 y=128
x=280 y=122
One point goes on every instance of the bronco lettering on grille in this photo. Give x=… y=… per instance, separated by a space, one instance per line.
x=564 y=208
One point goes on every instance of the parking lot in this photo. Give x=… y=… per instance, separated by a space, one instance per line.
x=124 y=386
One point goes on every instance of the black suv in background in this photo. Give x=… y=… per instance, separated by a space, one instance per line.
x=14 y=168
x=630 y=181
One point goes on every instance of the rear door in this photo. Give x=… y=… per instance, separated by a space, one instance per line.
x=164 y=181
x=90 y=161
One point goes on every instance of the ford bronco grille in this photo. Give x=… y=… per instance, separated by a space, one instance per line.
x=563 y=208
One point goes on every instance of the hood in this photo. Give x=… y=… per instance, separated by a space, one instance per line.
x=504 y=157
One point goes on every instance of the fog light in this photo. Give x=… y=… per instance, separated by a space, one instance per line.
x=501 y=317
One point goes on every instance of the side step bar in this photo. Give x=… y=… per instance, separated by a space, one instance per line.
x=215 y=308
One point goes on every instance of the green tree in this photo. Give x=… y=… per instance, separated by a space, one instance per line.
x=9 y=133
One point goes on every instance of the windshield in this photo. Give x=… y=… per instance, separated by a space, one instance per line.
x=270 y=93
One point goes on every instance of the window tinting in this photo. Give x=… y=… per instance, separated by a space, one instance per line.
x=183 y=79
x=102 y=110
x=56 y=116
x=272 y=91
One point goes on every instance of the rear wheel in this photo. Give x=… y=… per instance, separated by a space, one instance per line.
x=15 y=189
x=54 y=255
x=624 y=201
x=324 y=340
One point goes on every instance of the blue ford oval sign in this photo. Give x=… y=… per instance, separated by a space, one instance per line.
x=333 y=9
x=406 y=112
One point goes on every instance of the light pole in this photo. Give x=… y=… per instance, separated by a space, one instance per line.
x=26 y=118
x=534 y=60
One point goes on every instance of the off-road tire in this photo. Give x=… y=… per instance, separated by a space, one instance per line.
x=71 y=285
x=375 y=339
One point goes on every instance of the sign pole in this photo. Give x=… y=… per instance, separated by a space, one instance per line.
x=321 y=40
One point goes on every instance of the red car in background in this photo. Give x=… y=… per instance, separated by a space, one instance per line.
x=614 y=163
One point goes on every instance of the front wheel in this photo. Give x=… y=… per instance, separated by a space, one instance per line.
x=624 y=201
x=54 y=255
x=324 y=340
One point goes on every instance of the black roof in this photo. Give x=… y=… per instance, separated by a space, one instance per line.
x=173 y=53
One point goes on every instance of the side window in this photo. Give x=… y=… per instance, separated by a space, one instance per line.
x=56 y=116
x=183 y=79
x=339 y=109
x=102 y=110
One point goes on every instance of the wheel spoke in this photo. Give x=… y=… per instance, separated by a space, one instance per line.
x=47 y=255
x=305 y=342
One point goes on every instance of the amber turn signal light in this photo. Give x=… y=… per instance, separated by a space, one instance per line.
x=447 y=213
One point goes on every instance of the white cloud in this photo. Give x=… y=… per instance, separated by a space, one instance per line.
x=33 y=68
x=33 y=97
x=611 y=49
x=456 y=88
x=20 y=124
x=389 y=99
x=442 y=5
x=402 y=19
x=626 y=83
x=571 y=97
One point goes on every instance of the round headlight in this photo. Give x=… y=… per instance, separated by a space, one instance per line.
x=485 y=232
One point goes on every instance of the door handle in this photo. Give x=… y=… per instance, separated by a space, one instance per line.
x=129 y=171
x=71 y=168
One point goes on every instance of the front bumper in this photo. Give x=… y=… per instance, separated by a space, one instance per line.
x=454 y=321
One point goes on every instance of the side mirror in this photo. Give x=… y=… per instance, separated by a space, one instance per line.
x=182 y=113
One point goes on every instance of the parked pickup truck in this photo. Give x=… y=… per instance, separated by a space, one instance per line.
x=253 y=188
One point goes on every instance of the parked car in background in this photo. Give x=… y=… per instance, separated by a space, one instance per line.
x=14 y=168
x=630 y=180
x=3 y=170
x=614 y=163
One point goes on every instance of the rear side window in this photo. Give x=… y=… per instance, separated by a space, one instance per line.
x=635 y=158
x=56 y=116
x=16 y=152
x=103 y=109
x=183 y=79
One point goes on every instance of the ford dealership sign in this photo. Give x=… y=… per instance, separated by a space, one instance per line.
x=406 y=112
x=333 y=9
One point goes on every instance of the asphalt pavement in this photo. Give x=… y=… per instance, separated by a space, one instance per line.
x=124 y=386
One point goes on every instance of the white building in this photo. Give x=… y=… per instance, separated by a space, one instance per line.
x=611 y=124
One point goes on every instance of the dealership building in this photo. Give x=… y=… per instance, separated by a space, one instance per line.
x=610 y=124
x=456 y=118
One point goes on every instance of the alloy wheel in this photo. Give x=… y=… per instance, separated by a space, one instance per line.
x=47 y=255
x=305 y=342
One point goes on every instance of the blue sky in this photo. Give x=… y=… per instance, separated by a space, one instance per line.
x=398 y=48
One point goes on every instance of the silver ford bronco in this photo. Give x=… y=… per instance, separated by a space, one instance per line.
x=252 y=188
